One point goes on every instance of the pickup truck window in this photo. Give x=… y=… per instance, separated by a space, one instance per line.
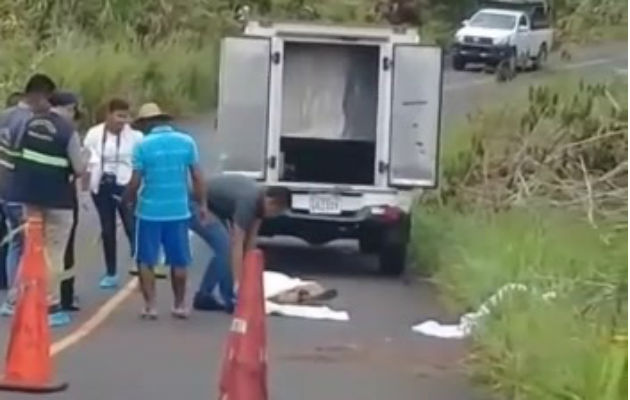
x=522 y=21
x=540 y=18
x=493 y=21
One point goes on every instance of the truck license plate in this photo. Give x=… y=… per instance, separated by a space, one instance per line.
x=325 y=204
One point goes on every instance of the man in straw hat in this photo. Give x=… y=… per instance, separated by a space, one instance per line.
x=162 y=163
x=144 y=122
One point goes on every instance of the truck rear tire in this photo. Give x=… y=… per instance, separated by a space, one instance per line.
x=458 y=63
x=393 y=251
x=541 y=58
x=393 y=259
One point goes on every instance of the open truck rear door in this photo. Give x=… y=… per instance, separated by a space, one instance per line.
x=415 y=116
x=242 y=116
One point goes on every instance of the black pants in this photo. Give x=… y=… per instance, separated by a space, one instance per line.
x=4 y=279
x=66 y=295
x=107 y=203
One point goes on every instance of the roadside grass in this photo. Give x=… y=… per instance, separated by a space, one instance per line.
x=179 y=76
x=575 y=345
x=529 y=348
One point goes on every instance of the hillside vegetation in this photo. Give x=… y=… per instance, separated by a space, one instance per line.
x=167 y=50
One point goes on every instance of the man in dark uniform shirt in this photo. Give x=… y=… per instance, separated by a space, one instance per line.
x=12 y=100
x=238 y=206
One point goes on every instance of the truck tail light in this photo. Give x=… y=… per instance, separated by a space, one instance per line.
x=387 y=213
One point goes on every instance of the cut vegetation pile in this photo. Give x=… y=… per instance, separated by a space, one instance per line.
x=538 y=195
x=566 y=150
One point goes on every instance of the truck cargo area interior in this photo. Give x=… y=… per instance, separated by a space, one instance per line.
x=329 y=112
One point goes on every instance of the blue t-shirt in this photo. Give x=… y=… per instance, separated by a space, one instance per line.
x=164 y=158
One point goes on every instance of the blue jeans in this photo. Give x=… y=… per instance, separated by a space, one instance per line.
x=14 y=214
x=217 y=279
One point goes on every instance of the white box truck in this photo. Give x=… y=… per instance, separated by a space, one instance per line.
x=347 y=118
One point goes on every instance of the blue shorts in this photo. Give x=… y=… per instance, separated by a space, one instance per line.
x=172 y=236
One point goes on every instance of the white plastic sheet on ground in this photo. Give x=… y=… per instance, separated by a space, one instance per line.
x=275 y=283
x=469 y=321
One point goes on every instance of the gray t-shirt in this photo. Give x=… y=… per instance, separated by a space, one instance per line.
x=235 y=198
x=12 y=123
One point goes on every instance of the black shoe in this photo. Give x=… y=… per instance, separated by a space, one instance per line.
x=207 y=303
x=71 y=308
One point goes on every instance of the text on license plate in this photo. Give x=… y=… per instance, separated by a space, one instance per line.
x=325 y=204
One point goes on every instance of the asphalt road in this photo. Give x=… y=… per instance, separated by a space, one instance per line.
x=373 y=356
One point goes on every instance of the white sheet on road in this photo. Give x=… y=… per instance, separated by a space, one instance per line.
x=308 y=312
x=469 y=321
x=275 y=283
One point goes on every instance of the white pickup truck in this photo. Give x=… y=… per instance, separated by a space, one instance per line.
x=517 y=31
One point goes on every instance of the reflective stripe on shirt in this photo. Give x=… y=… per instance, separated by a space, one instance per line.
x=45 y=159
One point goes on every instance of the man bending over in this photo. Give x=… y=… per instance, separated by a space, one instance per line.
x=237 y=207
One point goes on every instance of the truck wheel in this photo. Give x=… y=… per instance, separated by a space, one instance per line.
x=393 y=252
x=393 y=259
x=458 y=63
x=541 y=58
x=506 y=69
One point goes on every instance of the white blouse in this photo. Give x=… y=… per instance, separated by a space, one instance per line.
x=114 y=154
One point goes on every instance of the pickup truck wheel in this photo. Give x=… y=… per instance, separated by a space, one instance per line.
x=541 y=58
x=458 y=63
x=506 y=69
x=393 y=251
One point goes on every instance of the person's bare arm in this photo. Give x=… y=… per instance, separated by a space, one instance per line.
x=237 y=241
x=252 y=235
x=78 y=158
x=131 y=191
x=199 y=191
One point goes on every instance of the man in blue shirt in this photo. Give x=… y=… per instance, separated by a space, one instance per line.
x=162 y=164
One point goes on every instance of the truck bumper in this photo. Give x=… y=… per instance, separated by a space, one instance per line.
x=490 y=55
x=317 y=229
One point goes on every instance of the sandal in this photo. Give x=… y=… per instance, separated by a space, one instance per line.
x=150 y=314
x=180 y=312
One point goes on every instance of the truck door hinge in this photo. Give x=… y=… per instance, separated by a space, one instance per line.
x=382 y=167
x=387 y=63
x=271 y=161
x=275 y=57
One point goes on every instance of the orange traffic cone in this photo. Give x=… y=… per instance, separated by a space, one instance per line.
x=28 y=362
x=244 y=372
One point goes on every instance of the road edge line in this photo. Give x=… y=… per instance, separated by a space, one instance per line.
x=95 y=320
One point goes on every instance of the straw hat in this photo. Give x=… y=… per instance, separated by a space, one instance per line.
x=151 y=110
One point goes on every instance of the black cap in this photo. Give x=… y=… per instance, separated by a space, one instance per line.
x=60 y=99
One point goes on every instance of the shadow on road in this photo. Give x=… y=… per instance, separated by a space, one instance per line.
x=339 y=259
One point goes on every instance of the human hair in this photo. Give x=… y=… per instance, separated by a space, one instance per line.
x=280 y=195
x=117 y=104
x=40 y=84
x=13 y=99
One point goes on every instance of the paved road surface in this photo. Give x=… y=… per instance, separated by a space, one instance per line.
x=374 y=356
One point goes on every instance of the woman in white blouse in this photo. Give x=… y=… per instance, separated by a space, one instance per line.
x=111 y=147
